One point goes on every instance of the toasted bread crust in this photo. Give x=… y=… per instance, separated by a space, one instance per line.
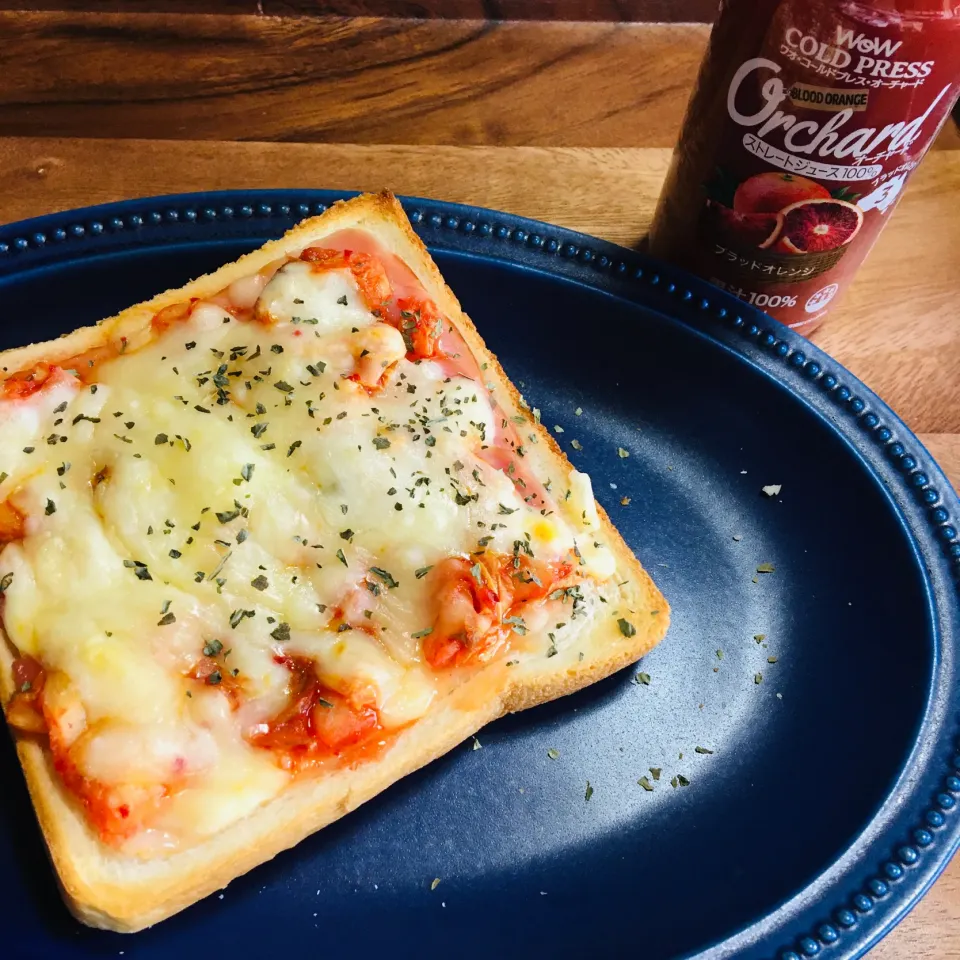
x=106 y=889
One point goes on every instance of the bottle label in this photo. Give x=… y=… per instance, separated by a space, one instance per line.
x=824 y=126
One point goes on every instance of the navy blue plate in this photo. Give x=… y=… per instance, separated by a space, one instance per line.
x=827 y=804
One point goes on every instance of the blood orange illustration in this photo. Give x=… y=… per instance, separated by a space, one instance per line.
x=812 y=226
x=742 y=230
x=770 y=192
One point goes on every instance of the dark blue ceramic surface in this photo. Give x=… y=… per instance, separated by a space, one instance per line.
x=828 y=804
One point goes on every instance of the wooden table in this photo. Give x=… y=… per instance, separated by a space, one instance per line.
x=898 y=327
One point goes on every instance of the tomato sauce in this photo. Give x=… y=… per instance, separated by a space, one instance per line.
x=406 y=297
x=480 y=603
x=84 y=366
x=214 y=674
x=24 y=711
x=25 y=383
x=368 y=272
x=390 y=289
x=168 y=317
x=12 y=523
x=409 y=303
x=317 y=724
x=116 y=811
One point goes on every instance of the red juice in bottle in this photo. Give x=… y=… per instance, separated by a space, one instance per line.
x=806 y=121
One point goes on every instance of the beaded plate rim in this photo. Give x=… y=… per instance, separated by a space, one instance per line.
x=863 y=916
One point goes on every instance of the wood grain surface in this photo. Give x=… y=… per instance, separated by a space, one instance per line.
x=651 y=11
x=382 y=80
x=897 y=328
x=360 y=80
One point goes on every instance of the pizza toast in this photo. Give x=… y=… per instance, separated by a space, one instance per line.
x=337 y=628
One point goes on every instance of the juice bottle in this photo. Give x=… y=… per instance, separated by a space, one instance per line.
x=806 y=121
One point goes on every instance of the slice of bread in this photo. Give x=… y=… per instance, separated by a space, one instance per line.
x=108 y=889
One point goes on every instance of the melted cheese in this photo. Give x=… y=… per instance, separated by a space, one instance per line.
x=226 y=483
